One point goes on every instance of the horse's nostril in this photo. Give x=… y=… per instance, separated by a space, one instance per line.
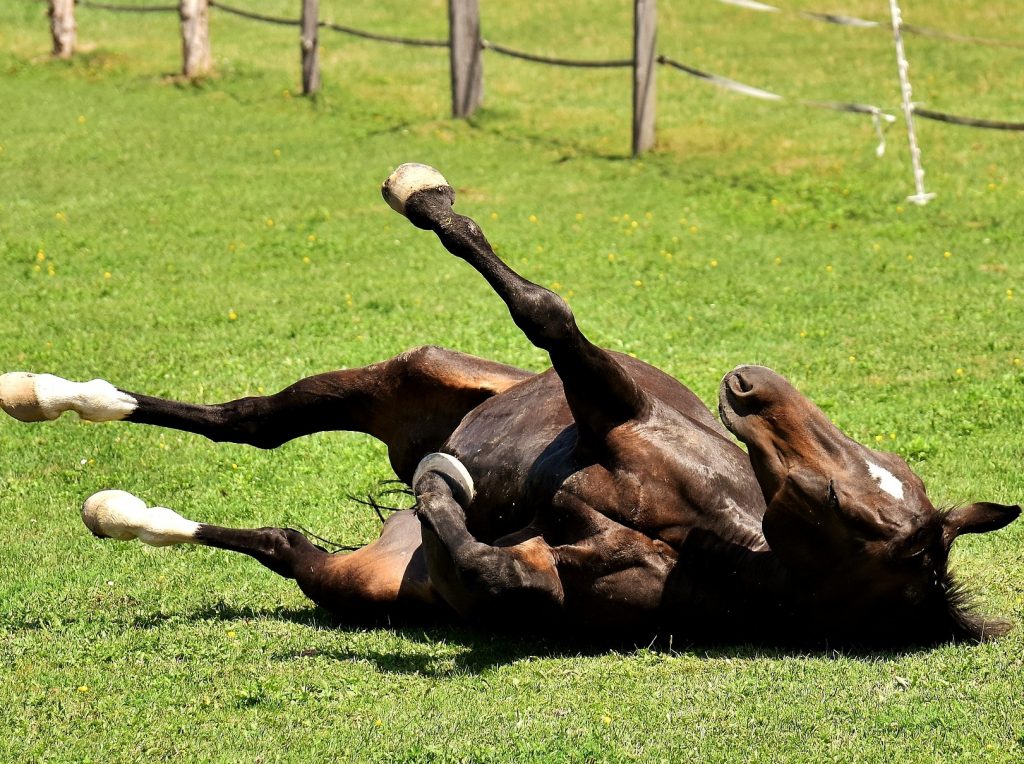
x=740 y=384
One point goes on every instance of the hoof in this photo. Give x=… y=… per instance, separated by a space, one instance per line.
x=452 y=469
x=409 y=179
x=122 y=516
x=18 y=397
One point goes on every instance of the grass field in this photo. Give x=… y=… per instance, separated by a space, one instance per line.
x=205 y=242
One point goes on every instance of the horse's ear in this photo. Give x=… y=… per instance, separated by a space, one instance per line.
x=977 y=518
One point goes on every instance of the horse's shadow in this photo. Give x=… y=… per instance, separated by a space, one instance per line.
x=441 y=649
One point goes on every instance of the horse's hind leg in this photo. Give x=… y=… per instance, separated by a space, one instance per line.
x=412 y=402
x=600 y=393
x=385 y=580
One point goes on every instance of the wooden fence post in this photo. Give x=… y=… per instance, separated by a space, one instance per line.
x=645 y=25
x=309 y=39
x=466 y=56
x=62 y=27
x=195 y=37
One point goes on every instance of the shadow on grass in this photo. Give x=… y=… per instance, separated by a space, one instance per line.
x=438 y=648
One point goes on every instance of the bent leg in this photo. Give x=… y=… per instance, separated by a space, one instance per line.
x=600 y=393
x=383 y=581
x=515 y=585
x=411 y=402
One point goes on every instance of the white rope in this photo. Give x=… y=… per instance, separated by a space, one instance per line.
x=920 y=197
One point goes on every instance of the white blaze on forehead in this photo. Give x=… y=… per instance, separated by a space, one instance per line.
x=407 y=180
x=886 y=480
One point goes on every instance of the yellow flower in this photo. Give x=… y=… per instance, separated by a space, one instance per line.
x=107 y=274
x=494 y=216
x=306 y=260
x=270 y=222
x=959 y=372
x=63 y=218
x=828 y=268
x=232 y=316
x=778 y=261
x=713 y=263
x=910 y=258
x=693 y=229
x=231 y=634
x=311 y=237
x=947 y=254
x=40 y=255
x=533 y=218
x=606 y=720
x=83 y=688
x=611 y=257
x=852 y=359
x=81 y=119
x=277 y=152
x=638 y=283
x=579 y=216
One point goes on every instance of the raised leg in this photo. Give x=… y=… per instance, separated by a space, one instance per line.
x=385 y=580
x=601 y=394
x=411 y=402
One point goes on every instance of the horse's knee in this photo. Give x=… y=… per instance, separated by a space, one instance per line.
x=544 y=317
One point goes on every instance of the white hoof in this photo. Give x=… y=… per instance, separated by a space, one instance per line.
x=18 y=397
x=122 y=516
x=450 y=467
x=41 y=397
x=407 y=180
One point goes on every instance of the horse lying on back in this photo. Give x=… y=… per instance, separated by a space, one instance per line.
x=600 y=496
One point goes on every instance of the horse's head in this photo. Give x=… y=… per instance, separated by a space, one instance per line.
x=855 y=523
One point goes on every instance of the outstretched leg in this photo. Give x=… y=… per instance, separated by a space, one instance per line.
x=385 y=580
x=600 y=393
x=411 y=402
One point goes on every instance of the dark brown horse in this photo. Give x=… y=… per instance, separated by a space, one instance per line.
x=600 y=496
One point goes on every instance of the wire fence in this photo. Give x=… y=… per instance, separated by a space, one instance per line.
x=879 y=116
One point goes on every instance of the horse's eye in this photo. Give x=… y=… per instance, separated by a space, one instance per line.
x=832 y=500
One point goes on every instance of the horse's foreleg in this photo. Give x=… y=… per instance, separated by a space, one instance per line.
x=600 y=393
x=513 y=585
x=384 y=580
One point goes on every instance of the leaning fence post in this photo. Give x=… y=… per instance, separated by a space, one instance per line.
x=195 y=37
x=62 y=27
x=645 y=14
x=309 y=39
x=466 y=56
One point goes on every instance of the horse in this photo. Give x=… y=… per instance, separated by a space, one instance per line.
x=598 y=498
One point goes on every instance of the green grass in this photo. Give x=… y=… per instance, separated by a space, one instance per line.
x=757 y=232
